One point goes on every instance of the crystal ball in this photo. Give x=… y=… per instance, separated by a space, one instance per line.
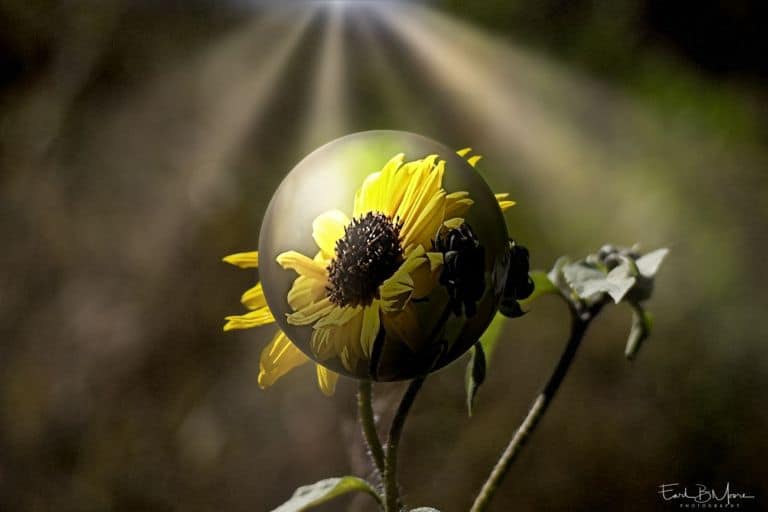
x=455 y=292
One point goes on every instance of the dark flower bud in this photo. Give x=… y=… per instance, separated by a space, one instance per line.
x=463 y=268
x=519 y=284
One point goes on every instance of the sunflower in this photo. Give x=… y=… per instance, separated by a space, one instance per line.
x=367 y=271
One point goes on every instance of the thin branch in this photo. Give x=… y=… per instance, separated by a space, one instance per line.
x=579 y=323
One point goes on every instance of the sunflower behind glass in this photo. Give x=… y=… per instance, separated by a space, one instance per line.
x=382 y=185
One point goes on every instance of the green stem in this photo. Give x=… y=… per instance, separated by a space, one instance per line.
x=579 y=323
x=391 y=490
x=368 y=424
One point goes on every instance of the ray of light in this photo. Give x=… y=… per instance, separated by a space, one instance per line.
x=326 y=118
x=392 y=85
x=494 y=89
x=235 y=98
x=216 y=100
x=471 y=86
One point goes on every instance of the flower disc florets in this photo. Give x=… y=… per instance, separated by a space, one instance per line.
x=367 y=254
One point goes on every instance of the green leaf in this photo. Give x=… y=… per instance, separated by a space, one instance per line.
x=486 y=345
x=542 y=286
x=475 y=374
x=642 y=321
x=649 y=264
x=318 y=493
x=424 y=509
x=491 y=337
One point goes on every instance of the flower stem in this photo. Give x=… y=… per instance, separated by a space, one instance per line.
x=579 y=323
x=391 y=490
x=368 y=424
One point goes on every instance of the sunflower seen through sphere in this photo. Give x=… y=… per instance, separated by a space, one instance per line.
x=383 y=255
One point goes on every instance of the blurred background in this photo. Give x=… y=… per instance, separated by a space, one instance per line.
x=141 y=140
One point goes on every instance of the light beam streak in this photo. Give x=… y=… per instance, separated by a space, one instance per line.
x=327 y=115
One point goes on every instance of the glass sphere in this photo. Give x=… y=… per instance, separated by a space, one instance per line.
x=328 y=179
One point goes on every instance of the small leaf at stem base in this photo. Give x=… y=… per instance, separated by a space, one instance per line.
x=318 y=493
x=641 y=329
x=475 y=375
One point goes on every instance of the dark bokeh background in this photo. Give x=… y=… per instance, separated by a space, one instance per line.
x=140 y=142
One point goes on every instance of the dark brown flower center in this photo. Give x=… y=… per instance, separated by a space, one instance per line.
x=367 y=254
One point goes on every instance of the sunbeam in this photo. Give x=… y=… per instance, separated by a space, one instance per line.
x=236 y=84
x=527 y=112
x=392 y=86
x=327 y=115
x=235 y=98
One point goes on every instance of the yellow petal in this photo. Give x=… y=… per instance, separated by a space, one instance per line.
x=423 y=229
x=256 y=318
x=423 y=183
x=305 y=291
x=312 y=313
x=339 y=316
x=383 y=190
x=420 y=208
x=253 y=298
x=427 y=275
x=326 y=379
x=464 y=152
x=396 y=291
x=506 y=205
x=327 y=229
x=370 y=328
x=457 y=204
x=453 y=223
x=405 y=325
x=340 y=340
x=278 y=358
x=302 y=265
x=435 y=260
x=322 y=343
x=243 y=259
x=474 y=159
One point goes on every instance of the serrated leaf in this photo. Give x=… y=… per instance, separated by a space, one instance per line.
x=642 y=321
x=649 y=264
x=542 y=286
x=318 y=493
x=475 y=375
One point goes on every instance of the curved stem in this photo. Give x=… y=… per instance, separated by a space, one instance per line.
x=391 y=491
x=579 y=323
x=368 y=424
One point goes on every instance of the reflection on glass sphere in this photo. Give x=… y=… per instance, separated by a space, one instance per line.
x=468 y=257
